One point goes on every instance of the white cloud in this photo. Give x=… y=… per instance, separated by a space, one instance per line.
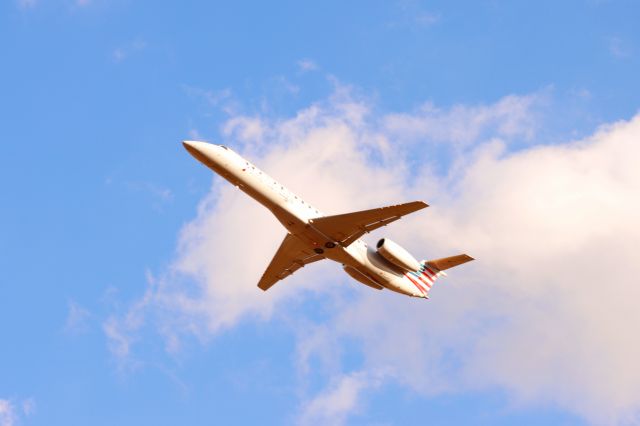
x=10 y=415
x=341 y=399
x=7 y=413
x=247 y=128
x=547 y=312
x=29 y=406
x=118 y=341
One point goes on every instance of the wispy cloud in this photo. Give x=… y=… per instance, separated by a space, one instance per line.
x=29 y=407
x=306 y=65
x=547 y=311
x=77 y=319
x=341 y=399
x=511 y=118
x=120 y=328
x=7 y=413
x=118 y=340
x=125 y=51
x=10 y=414
x=221 y=99
x=619 y=48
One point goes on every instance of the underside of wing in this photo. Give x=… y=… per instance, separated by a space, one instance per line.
x=291 y=256
x=346 y=228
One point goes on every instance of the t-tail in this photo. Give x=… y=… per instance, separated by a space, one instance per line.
x=431 y=270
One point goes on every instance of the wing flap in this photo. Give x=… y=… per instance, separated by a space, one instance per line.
x=291 y=256
x=348 y=227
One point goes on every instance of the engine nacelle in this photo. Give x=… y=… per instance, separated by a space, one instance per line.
x=397 y=255
x=360 y=277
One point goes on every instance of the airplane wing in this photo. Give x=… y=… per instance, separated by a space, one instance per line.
x=346 y=228
x=291 y=256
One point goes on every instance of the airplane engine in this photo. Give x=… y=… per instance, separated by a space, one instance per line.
x=397 y=255
x=360 y=277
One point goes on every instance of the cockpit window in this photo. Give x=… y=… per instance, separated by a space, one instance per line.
x=222 y=146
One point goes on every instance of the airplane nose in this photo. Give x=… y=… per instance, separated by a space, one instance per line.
x=193 y=147
x=200 y=150
x=208 y=154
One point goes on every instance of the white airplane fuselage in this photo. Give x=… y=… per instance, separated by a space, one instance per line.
x=296 y=215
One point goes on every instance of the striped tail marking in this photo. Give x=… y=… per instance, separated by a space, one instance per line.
x=424 y=278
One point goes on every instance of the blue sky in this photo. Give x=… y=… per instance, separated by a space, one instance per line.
x=114 y=311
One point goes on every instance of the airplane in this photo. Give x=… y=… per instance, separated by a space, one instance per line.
x=312 y=236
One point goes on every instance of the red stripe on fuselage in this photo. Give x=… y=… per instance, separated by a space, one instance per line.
x=429 y=273
x=426 y=281
x=428 y=278
x=417 y=285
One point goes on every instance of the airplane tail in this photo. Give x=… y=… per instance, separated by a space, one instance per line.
x=431 y=270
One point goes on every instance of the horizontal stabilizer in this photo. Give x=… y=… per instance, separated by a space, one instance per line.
x=449 y=262
x=431 y=270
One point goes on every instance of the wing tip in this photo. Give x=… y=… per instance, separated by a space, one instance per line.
x=264 y=287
